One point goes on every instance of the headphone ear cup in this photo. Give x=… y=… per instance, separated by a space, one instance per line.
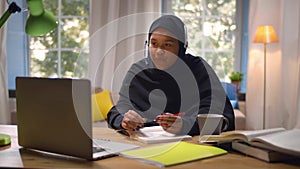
x=186 y=44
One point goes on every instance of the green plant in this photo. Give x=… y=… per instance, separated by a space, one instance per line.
x=236 y=76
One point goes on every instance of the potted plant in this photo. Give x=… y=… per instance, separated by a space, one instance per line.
x=236 y=78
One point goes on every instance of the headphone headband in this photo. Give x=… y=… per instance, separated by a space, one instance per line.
x=186 y=43
x=185 y=38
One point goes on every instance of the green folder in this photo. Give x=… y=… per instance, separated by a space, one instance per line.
x=4 y=139
x=173 y=153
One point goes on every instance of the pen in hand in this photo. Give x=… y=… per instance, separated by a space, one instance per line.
x=158 y=118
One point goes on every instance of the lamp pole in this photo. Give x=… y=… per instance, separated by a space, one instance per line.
x=265 y=81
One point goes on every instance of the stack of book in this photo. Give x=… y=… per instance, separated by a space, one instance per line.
x=271 y=145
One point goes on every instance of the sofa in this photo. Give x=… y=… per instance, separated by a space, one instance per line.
x=229 y=88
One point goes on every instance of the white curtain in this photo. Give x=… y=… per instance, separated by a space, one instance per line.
x=118 y=30
x=4 y=108
x=282 y=69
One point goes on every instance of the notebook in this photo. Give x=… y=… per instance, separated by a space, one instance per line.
x=54 y=115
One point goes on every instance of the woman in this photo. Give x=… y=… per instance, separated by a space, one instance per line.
x=169 y=87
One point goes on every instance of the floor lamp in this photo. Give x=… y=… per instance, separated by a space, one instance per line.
x=265 y=34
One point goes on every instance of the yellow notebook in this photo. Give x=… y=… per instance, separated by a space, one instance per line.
x=173 y=153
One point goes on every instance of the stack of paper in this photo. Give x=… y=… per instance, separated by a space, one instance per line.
x=157 y=134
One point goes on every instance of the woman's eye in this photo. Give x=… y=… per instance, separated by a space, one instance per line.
x=153 y=44
x=168 y=45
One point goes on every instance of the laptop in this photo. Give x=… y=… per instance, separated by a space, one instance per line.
x=54 y=115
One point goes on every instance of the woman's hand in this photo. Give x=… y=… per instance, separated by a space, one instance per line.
x=170 y=122
x=132 y=120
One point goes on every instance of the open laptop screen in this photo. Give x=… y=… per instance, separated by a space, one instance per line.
x=54 y=115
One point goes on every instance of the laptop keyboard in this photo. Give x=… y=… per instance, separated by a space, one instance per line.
x=111 y=146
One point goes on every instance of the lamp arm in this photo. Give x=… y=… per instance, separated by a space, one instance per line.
x=13 y=8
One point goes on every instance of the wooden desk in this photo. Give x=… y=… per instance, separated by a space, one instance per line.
x=14 y=156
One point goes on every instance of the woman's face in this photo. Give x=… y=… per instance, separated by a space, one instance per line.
x=164 y=48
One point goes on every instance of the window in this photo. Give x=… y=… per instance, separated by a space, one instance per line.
x=63 y=52
x=211 y=25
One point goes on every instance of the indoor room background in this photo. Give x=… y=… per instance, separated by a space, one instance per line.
x=100 y=39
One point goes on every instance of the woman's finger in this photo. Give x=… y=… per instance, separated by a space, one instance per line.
x=133 y=116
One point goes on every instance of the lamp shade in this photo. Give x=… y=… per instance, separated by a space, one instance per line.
x=40 y=21
x=265 y=34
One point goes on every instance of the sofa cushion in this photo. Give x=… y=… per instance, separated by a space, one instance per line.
x=101 y=104
x=230 y=90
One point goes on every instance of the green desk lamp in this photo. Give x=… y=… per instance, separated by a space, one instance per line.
x=39 y=22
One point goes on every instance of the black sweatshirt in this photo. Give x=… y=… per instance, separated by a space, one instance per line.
x=190 y=86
